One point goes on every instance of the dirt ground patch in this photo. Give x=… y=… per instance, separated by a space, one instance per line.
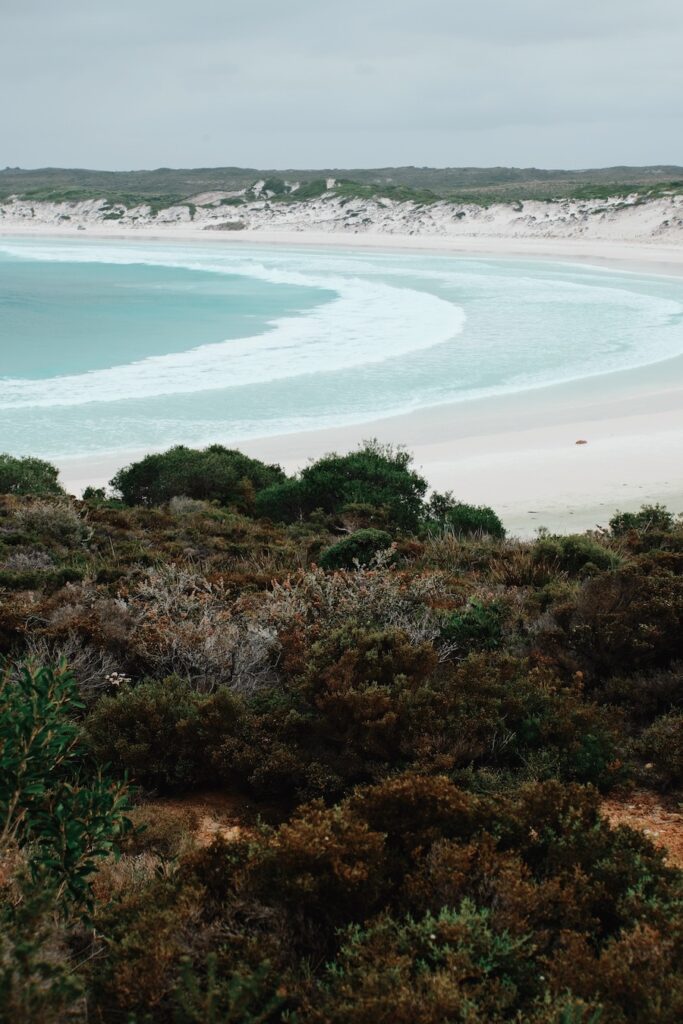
x=206 y=815
x=660 y=820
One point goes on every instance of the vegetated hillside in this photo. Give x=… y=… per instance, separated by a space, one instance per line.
x=165 y=186
x=410 y=717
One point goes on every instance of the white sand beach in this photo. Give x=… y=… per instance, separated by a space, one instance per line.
x=517 y=453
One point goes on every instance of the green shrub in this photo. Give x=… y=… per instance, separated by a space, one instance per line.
x=310 y=189
x=375 y=475
x=212 y=474
x=50 y=580
x=96 y=496
x=281 y=502
x=449 y=966
x=162 y=733
x=369 y=702
x=37 y=978
x=477 y=627
x=358 y=549
x=649 y=519
x=66 y=817
x=574 y=553
x=445 y=513
x=274 y=185
x=346 y=719
x=56 y=521
x=149 y=930
x=28 y=476
x=625 y=621
x=644 y=695
x=661 y=747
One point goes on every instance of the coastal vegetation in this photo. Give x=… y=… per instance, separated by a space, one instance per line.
x=405 y=724
x=166 y=187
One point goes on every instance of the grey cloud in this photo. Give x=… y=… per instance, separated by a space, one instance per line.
x=146 y=83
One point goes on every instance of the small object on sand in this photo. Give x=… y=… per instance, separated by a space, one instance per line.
x=581 y=441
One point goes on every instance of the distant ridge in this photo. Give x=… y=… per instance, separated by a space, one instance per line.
x=471 y=184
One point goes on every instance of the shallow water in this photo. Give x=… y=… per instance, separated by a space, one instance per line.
x=121 y=346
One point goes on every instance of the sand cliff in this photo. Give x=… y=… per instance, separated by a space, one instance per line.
x=632 y=218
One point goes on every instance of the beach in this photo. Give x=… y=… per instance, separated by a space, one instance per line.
x=518 y=452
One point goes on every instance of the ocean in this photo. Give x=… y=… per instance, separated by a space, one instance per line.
x=121 y=346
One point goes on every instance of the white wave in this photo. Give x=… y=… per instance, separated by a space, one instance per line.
x=368 y=322
x=582 y=324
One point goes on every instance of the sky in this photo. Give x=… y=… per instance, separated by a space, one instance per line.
x=356 y=83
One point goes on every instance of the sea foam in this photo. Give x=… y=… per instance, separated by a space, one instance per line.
x=391 y=333
x=368 y=322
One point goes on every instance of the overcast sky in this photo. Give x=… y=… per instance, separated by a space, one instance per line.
x=299 y=83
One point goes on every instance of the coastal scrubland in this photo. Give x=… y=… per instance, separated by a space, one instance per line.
x=404 y=725
x=478 y=185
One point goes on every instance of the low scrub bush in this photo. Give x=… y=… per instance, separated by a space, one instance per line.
x=452 y=965
x=477 y=627
x=55 y=521
x=649 y=519
x=50 y=580
x=94 y=669
x=644 y=695
x=424 y=721
x=183 y=624
x=29 y=560
x=358 y=549
x=661 y=748
x=626 y=621
x=313 y=602
x=445 y=513
x=162 y=733
x=575 y=554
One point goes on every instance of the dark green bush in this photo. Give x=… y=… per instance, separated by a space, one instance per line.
x=65 y=812
x=212 y=474
x=50 y=580
x=626 y=621
x=281 y=502
x=649 y=519
x=376 y=476
x=274 y=185
x=574 y=553
x=450 y=966
x=358 y=549
x=97 y=497
x=28 y=476
x=644 y=695
x=445 y=513
x=163 y=733
x=661 y=748
x=477 y=627
x=346 y=719
x=370 y=702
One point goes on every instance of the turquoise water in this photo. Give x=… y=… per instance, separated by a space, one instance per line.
x=70 y=317
x=121 y=346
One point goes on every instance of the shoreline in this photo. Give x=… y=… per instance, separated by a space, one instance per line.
x=516 y=452
x=641 y=257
